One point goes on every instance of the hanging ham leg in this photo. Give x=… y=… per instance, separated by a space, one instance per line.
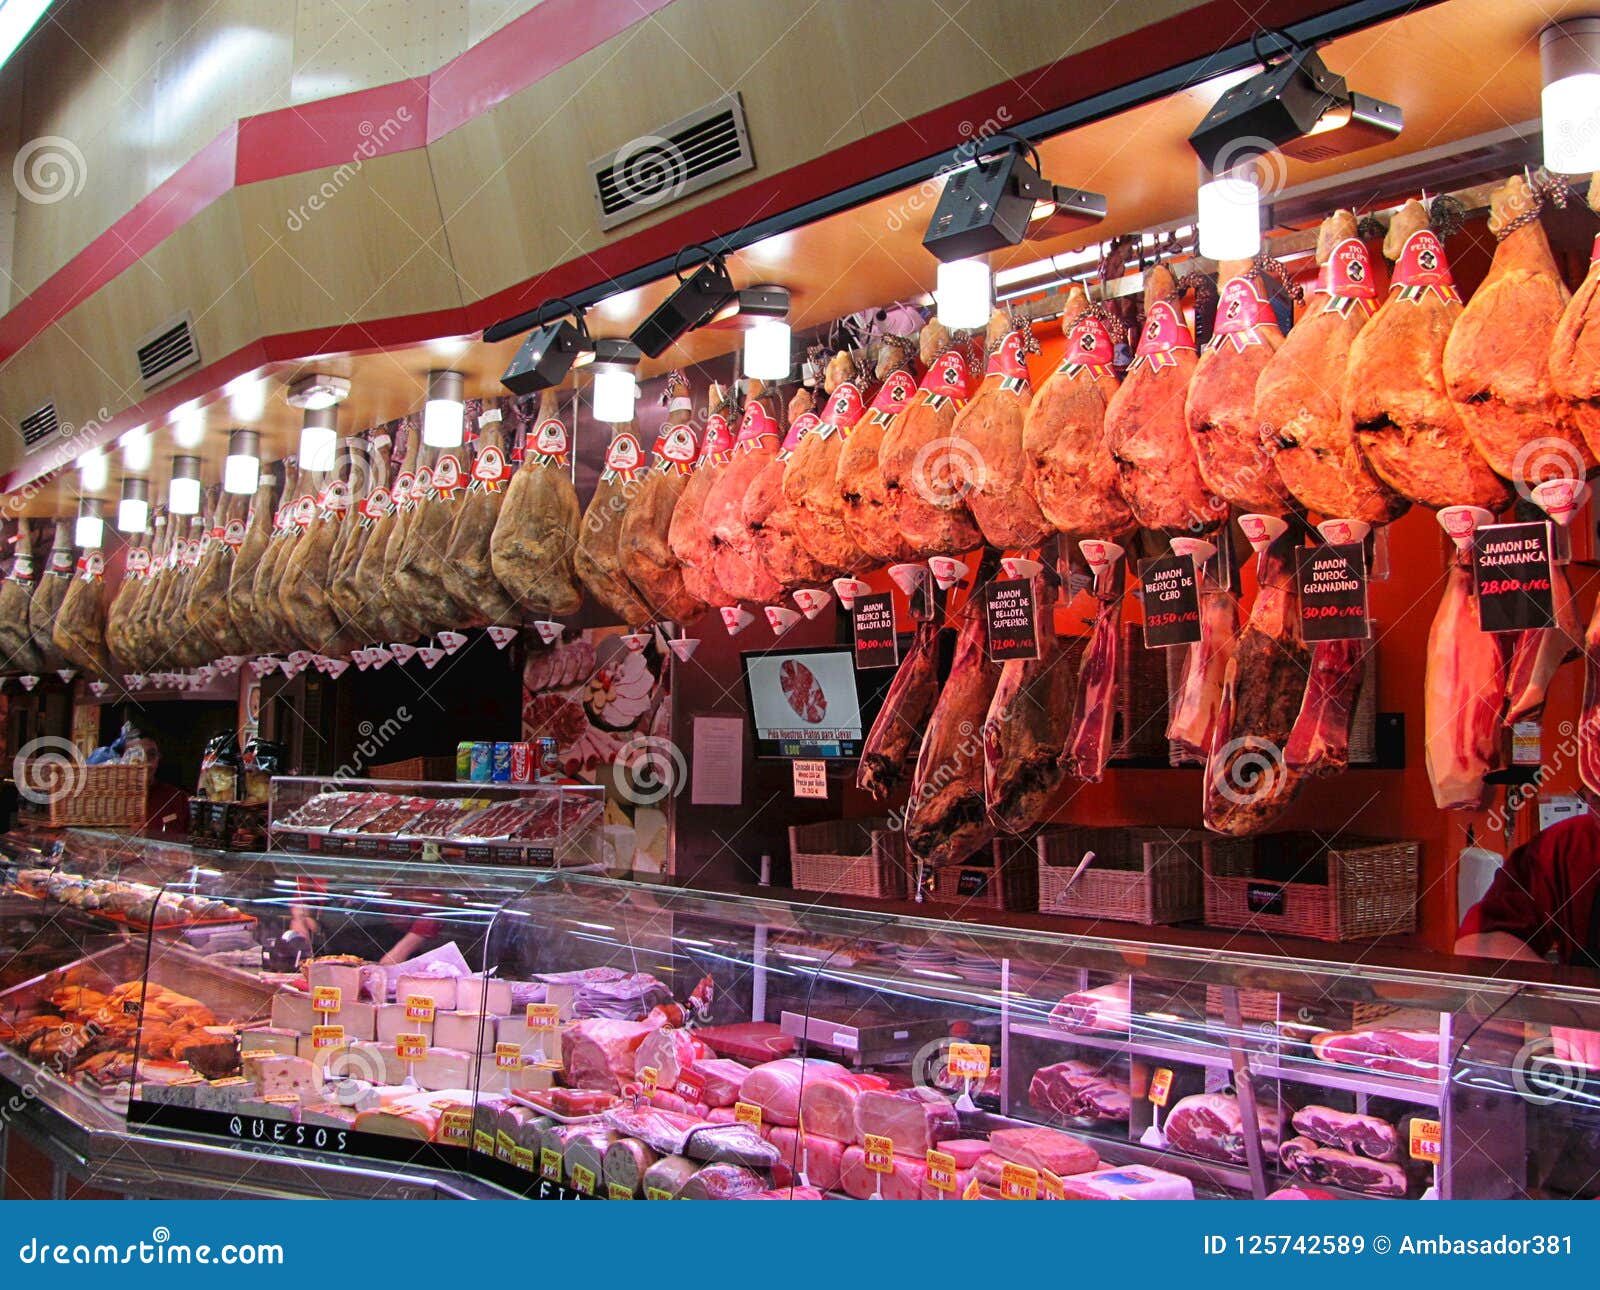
x=1205 y=663
x=597 y=559
x=1589 y=717
x=643 y=542
x=1538 y=655
x=1247 y=785
x=1465 y=689
x=1088 y=744
x=1575 y=346
x=946 y=818
x=886 y=755
x=1027 y=727
x=1319 y=744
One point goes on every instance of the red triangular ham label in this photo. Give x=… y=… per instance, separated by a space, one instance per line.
x=305 y=511
x=802 y=425
x=233 y=533
x=1348 y=272
x=446 y=475
x=948 y=378
x=757 y=430
x=1008 y=361
x=844 y=408
x=718 y=440
x=1422 y=268
x=622 y=457
x=490 y=469
x=1241 y=311
x=1165 y=334
x=421 y=484
x=138 y=562
x=550 y=441
x=675 y=448
x=1089 y=345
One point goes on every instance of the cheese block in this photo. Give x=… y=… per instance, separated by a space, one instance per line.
x=276 y=1075
x=183 y=1094
x=269 y=1039
x=360 y=1020
x=1128 y=1182
x=445 y=1068
x=338 y=971
x=441 y=989
x=485 y=994
x=291 y=1010
x=358 y=1059
x=330 y=1115
x=391 y=1020
x=514 y=1030
x=467 y=1032
x=269 y=1110
x=223 y=1095
x=562 y=994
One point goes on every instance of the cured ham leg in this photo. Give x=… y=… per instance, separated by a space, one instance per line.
x=1589 y=717
x=689 y=534
x=1496 y=363
x=886 y=754
x=738 y=565
x=993 y=424
x=598 y=559
x=1205 y=664
x=643 y=543
x=1466 y=684
x=1026 y=728
x=1575 y=346
x=771 y=518
x=1538 y=655
x=946 y=817
x=1319 y=744
x=1088 y=744
x=1247 y=784
x=868 y=510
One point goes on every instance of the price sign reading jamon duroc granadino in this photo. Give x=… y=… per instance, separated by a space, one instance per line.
x=1511 y=566
x=876 y=643
x=1171 y=601
x=1008 y=605
x=1333 y=592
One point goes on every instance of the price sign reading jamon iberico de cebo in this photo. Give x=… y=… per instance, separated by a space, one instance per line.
x=1511 y=569
x=1009 y=611
x=1333 y=592
x=1171 y=597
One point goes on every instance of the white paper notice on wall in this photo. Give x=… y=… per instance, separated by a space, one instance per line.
x=718 y=777
x=1562 y=806
x=811 y=779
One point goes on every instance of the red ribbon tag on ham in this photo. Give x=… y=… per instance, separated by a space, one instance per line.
x=91 y=566
x=803 y=425
x=845 y=407
x=446 y=475
x=1348 y=272
x=376 y=505
x=490 y=469
x=756 y=427
x=305 y=511
x=1089 y=345
x=138 y=562
x=718 y=439
x=421 y=484
x=675 y=448
x=1242 y=308
x=896 y=393
x=623 y=457
x=948 y=378
x=1422 y=268
x=1164 y=332
x=550 y=440
x=1007 y=361
x=233 y=533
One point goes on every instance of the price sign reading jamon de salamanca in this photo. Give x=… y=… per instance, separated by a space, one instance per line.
x=1171 y=601
x=1511 y=566
x=1333 y=592
x=1008 y=603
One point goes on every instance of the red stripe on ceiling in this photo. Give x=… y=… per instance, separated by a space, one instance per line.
x=334 y=132
x=526 y=50
x=195 y=185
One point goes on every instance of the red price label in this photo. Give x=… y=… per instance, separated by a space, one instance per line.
x=544 y=1016
x=508 y=1057
x=1018 y=1182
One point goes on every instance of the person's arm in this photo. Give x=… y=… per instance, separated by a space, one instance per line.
x=405 y=948
x=1495 y=945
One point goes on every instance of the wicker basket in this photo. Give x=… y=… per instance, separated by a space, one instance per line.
x=429 y=770
x=1003 y=875
x=1298 y=884
x=849 y=858
x=1141 y=875
x=1254 y=1005
x=77 y=795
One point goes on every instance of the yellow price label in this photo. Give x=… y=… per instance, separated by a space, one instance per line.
x=420 y=1007
x=508 y=1057
x=583 y=1179
x=326 y=998
x=1018 y=1182
x=879 y=1152
x=649 y=1079
x=550 y=1164
x=503 y=1146
x=455 y=1126
x=1161 y=1086
x=968 y=1061
x=972 y=1191
x=327 y=1036
x=544 y=1016
x=941 y=1175
x=747 y=1113
x=616 y=1191
x=483 y=1142
x=656 y=1193
x=1427 y=1141
x=410 y=1048
x=522 y=1158
x=1050 y=1186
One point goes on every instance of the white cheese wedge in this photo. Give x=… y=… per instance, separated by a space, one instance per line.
x=468 y=1032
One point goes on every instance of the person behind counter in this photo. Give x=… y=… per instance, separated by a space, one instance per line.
x=1541 y=905
x=372 y=929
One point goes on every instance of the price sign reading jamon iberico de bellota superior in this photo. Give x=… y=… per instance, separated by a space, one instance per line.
x=1511 y=567
x=1010 y=617
x=1171 y=597
x=1333 y=592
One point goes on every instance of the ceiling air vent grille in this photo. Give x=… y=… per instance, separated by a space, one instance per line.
x=168 y=350
x=40 y=424
x=674 y=160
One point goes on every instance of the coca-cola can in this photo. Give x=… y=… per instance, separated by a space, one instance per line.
x=522 y=763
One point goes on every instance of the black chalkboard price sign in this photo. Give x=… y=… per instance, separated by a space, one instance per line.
x=1333 y=592
x=1013 y=628
x=876 y=643
x=1171 y=598
x=1511 y=568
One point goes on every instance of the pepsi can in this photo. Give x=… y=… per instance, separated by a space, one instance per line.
x=502 y=764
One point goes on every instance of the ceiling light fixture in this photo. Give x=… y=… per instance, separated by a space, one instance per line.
x=443 y=415
x=693 y=303
x=963 y=293
x=1230 y=215
x=550 y=352
x=762 y=313
x=1569 y=56
x=183 y=493
x=189 y=425
x=133 y=511
x=137 y=450
x=315 y=392
x=93 y=470
x=241 y=472
x=319 y=439
x=616 y=388
x=89 y=533
x=247 y=397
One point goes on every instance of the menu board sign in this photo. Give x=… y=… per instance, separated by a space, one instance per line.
x=1511 y=567
x=1171 y=601
x=1333 y=592
x=876 y=643
x=1013 y=631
